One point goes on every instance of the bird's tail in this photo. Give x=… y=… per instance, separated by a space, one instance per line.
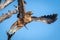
x=10 y=35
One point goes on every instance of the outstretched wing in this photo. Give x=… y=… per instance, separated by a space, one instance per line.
x=47 y=19
x=21 y=9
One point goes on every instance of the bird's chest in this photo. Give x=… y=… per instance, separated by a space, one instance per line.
x=19 y=23
x=27 y=19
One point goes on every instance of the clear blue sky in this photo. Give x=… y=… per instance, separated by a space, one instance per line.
x=37 y=30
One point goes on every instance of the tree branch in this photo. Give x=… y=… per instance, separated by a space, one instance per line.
x=6 y=3
x=8 y=15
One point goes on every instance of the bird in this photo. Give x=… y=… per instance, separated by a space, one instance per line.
x=24 y=18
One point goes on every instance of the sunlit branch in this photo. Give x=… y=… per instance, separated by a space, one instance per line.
x=6 y=3
x=8 y=15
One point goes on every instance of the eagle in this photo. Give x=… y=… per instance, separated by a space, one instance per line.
x=25 y=18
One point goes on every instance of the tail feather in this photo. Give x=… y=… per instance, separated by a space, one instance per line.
x=10 y=35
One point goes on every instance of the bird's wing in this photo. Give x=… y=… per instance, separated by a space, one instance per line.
x=47 y=19
x=21 y=9
x=6 y=3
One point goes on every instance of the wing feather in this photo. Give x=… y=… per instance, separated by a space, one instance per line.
x=46 y=18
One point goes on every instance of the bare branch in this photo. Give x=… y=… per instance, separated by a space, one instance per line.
x=8 y=15
x=7 y=2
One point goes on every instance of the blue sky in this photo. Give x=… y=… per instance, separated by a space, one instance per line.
x=37 y=30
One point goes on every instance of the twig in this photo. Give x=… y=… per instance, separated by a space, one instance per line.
x=8 y=15
x=6 y=3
